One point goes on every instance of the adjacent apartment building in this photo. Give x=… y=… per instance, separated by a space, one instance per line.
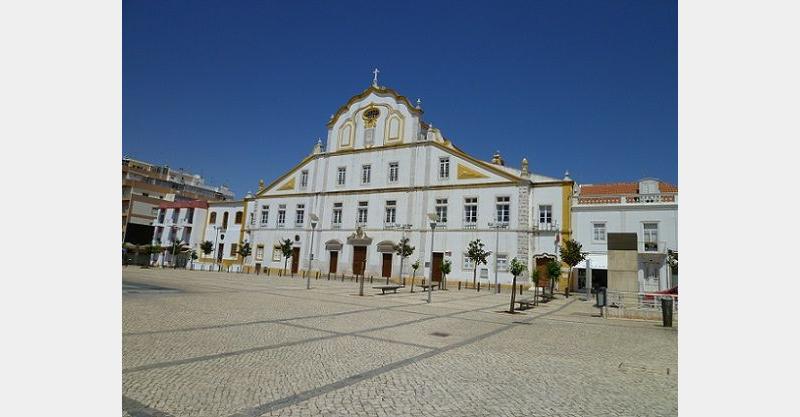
x=648 y=208
x=145 y=186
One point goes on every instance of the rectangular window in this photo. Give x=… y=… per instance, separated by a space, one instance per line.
x=394 y=168
x=276 y=254
x=162 y=213
x=299 y=214
x=259 y=252
x=238 y=218
x=468 y=263
x=599 y=232
x=444 y=168
x=503 y=208
x=234 y=249
x=651 y=237
x=303 y=179
x=264 y=214
x=337 y=215
x=212 y=219
x=502 y=262
x=189 y=215
x=366 y=174
x=281 y=215
x=341 y=173
x=441 y=210
x=470 y=210
x=362 y=212
x=545 y=214
x=175 y=212
x=391 y=212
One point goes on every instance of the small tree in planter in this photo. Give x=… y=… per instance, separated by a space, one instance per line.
x=404 y=250
x=286 y=249
x=553 y=272
x=516 y=268
x=193 y=257
x=478 y=255
x=414 y=266
x=207 y=247
x=571 y=255
x=446 y=265
x=245 y=251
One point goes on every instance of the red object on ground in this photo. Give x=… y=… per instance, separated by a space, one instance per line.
x=652 y=295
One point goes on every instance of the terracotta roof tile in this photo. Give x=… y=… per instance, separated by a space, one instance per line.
x=622 y=188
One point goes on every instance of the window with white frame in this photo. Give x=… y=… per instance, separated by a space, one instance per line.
x=303 y=179
x=468 y=263
x=502 y=262
x=391 y=211
x=300 y=214
x=264 y=214
x=337 y=215
x=441 y=210
x=361 y=217
x=470 y=210
x=281 y=215
x=259 y=252
x=444 y=168
x=599 y=232
x=503 y=208
x=341 y=174
x=366 y=174
x=545 y=214
x=394 y=170
x=650 y=236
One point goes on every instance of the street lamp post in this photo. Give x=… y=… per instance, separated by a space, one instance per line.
x=434 y=219
x=216 y=248
x=314 y=220
x=497 y=226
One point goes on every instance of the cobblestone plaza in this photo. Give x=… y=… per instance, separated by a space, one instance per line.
x=217 y=344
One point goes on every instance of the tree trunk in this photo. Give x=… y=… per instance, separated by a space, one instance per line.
x=513 y=294
x=285 y=260
x=475 y=275
x=414 y=275
x=401 y=269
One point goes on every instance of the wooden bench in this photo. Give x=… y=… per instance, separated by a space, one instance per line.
x=526 y=302
x=426 y=286
x=385 y=288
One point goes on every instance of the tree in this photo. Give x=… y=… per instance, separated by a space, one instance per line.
x=553 y=272
x=404 y=250
x=571 y=255
x=155 y=250
x=193 y=257
x=286 y=249
x=414 y=266
x=176 y=248
x=207 y=247
x=516 y=268
x=446 y=266
x=535 y=280
x=477 y=255
x=245 y=250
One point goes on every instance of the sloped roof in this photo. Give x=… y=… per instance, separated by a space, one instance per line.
x=622 y=188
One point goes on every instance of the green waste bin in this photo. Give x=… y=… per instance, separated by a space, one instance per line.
x=601 y=297
x=666 y=311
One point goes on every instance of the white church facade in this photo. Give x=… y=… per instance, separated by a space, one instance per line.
x=380 y=176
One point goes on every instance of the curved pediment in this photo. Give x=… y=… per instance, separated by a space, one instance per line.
x=380 y=91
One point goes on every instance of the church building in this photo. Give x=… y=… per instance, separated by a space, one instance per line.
x=385 y=173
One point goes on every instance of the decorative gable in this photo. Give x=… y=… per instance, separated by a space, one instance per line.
x=289 y=185
x=465 y=173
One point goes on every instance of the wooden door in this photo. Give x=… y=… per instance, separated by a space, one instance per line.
x=387 y=265
x=541 y=266
x=295 y=259
x=359 y=258
x=334 y=261
x=437 y=266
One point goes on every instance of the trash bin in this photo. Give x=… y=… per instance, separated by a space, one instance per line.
x=601 y=296
x=666 y=311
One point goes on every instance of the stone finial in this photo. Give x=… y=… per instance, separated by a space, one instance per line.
x=261 y=185
x=524 y=168
x=566 y=176
x=249 y=194
x=497 y=159
x=317 y=147
x=419 y=103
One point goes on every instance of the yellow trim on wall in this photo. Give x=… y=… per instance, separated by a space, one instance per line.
x=289 y=185
x=465 y=173
x=566 y=210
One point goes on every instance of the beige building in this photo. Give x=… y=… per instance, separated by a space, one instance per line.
x=145 y=186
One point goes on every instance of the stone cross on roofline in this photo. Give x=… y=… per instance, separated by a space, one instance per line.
x=375 y=77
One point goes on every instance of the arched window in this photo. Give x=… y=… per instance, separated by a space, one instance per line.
x=213 y=218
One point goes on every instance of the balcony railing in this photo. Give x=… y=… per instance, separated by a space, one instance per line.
x=586 y=200
x=652 y=246
x=546 y=227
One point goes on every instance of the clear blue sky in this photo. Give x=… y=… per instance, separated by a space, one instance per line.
x=240 y=90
